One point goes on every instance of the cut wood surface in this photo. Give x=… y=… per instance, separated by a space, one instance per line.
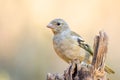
x=84 y=71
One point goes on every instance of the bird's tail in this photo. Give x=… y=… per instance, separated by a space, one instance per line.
x=109 y=70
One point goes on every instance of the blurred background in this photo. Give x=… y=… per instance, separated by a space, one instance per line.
x=26 y=50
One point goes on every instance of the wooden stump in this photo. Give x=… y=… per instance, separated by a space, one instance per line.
x=84 y=71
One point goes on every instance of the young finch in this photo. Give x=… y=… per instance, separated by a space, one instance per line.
x=67 y=44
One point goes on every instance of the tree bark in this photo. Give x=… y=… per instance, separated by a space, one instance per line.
x=84 y=71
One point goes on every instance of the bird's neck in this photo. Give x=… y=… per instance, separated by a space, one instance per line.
x=63 y=33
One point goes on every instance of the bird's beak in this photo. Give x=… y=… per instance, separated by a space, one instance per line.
x=51 y=26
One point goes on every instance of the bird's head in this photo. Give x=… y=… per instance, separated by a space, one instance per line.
x=58 y=26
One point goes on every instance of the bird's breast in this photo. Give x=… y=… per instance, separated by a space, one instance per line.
x=66 y=47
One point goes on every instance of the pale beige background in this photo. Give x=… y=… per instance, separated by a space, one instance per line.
x=26 y=51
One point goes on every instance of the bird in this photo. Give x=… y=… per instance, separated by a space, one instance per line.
x=67 y=44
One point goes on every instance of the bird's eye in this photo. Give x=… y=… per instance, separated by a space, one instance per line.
x=58 y=23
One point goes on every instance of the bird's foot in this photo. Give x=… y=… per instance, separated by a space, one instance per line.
x=73 y=69
x=85 y=64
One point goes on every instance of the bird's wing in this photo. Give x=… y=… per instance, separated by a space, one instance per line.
x=81 y=42
x=77 y=37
